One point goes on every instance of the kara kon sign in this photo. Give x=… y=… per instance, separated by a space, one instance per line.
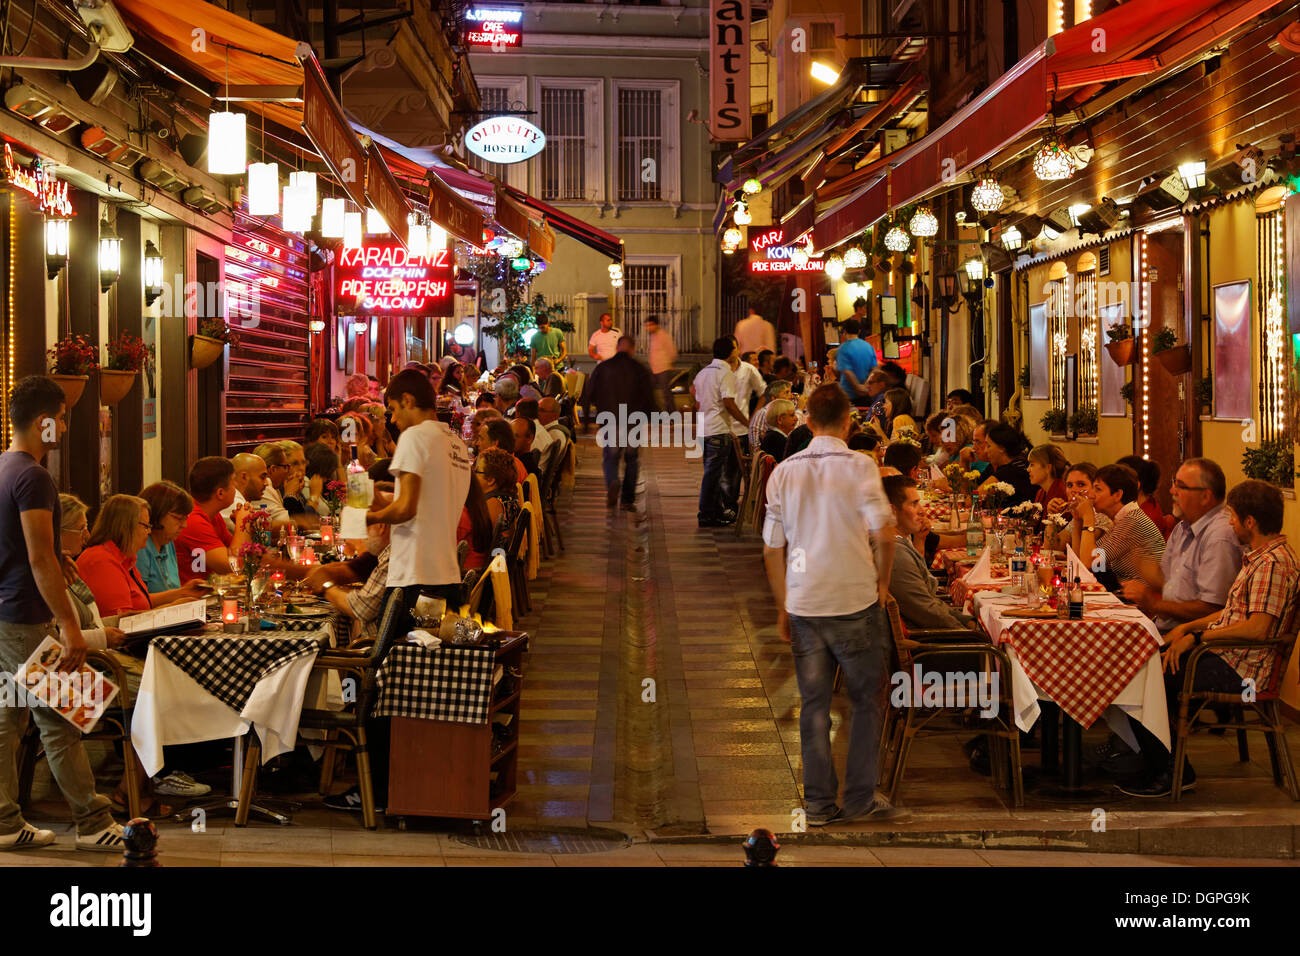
x=505 y=139
x=495 y=26
x=384 y=279
x=729 y=70
x=769 y=254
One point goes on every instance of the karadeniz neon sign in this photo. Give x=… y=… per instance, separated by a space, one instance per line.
x=384 y=278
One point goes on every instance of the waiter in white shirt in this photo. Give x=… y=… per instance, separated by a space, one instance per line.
x=826 y=514
x=602 y=345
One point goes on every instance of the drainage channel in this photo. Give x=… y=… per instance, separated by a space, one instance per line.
x=556 y=840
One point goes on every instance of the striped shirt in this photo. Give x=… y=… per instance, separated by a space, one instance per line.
x=1268 y=584
x=1133 y=539
x=368 y=600
x=758 y=426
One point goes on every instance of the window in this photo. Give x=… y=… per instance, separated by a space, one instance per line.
x=646 y=127
x=569 y=113
x=649 y=289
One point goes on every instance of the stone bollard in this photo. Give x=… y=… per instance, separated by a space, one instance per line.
x=141 y=847
x=761 y=848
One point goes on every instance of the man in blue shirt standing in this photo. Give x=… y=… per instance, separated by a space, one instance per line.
x=855 y=360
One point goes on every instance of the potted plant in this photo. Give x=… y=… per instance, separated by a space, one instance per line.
x=126 y=356
x=72 y=359
x=1204 y=392
x=1054 y=420
x=1177 y=359
x=210 y=341
x=1121 y=345
x=1273 y=461
x=1126 y=392
x=1084 y=420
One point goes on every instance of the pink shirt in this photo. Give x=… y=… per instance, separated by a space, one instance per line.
x=662 y=352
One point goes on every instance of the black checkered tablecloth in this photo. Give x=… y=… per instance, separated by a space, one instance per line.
x=229 y=668
x=442 y=683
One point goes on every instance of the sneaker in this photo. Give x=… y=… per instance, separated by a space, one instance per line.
x=822 y=819
x=177 y=784
x=349 y=800
x=28 y=838
x=878 y=809
x=108 y=840
x=1161 y=786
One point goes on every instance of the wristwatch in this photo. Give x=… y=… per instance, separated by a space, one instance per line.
x=326 y=586
x=1089 y=527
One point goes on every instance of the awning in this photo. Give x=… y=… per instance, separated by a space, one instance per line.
x=1021 y=100
x=574 y=228
x=454 y=213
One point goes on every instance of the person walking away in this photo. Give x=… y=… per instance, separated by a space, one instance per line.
x=714 y=391
x=33 y=597
x=602 y=345
x=828 y=547
x=621 y=387
x=663 y=355
x=754 y=333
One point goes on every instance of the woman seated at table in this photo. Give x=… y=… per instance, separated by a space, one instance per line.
x=495 y=472
x=475 y=528
x=950 y=433
x=1078 y=487
x=98 y=636
x=1148 y=473
x=1004 y=447
x=1047 y=466
x=356 y=429
x=108 y=563
x=322 y=468
x=1134 y=539
x=897 y=417
x=169 y=507
x=453 y=382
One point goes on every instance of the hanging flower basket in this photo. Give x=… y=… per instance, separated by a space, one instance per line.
x=73 y=386
x=204 y=351
x=1176 y=360
x=1122 y=352
x=114 y=384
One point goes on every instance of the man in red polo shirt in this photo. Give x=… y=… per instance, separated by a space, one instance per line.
x=205 y=545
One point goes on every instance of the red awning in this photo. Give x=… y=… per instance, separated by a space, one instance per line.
x=588 y=235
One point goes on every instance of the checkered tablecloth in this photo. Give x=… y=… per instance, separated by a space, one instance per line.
x=442 y=683
x=938 y=513
x=1081 y=665
x=229 y=668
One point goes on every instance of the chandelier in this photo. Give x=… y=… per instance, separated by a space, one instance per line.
x=834 y=268
x=987 y=195
x=1053 y=161
x=855 y=258
x=897 y=240
x=924 y=223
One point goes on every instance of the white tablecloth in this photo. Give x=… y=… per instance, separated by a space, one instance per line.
x=1143 y=697
x=172 y=708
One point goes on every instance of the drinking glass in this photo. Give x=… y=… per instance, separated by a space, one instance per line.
x=295 y=544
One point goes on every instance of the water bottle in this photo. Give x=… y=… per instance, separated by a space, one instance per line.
x=1019 y=563
x=974 y=535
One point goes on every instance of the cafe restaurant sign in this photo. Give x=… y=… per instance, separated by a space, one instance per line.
x=40 y=184
x=382 y=278
x=495 y=25
x=505 y=139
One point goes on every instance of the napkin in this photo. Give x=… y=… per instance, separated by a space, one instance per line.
x=423 y=638
x=936 y=474
x=1074 y=568
x=352 y=525
x=982 y=573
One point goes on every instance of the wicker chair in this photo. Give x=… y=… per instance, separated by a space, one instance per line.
x=344 y=729
x=1265 y=707
x=903 y=725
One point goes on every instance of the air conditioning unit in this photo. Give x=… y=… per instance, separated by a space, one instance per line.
x=159 y=176
x=203 y=201
x=31 y=103
x=1101 y=217
x=1162 y=192
x=101 y=144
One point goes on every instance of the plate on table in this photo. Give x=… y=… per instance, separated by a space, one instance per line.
x=301 y=612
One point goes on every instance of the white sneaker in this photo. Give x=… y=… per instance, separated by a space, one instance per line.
x=178 y=784
x=28 y=838
x=109 y=840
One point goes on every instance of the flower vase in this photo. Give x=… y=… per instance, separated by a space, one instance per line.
x=954 y=519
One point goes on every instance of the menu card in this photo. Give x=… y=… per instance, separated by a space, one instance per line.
x=80 y=697
x=164 y=618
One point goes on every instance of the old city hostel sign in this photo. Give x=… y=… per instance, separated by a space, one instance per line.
x=729 y=70
x=383 y=278
x=505 y=139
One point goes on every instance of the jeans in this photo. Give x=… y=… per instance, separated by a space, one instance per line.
x=661 y=380
x=64 y=750
x=859 y=643
x=1212 y=674
x=609 y=457
x=721 y=482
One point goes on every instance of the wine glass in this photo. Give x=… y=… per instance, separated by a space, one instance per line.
x=295 y=544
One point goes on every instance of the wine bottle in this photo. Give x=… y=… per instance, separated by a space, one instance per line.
x=1076 y=601
x=358 y=486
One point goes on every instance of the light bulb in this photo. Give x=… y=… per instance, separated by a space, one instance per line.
x=227 y=144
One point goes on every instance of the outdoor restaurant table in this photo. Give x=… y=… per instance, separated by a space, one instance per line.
x=215 y=685
x=1107 y=664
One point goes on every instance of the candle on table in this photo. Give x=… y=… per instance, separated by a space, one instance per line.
x=229 y=610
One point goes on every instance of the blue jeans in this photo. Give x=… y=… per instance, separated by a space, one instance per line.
x=859 y=644
x=721 y=482
x=609 y=457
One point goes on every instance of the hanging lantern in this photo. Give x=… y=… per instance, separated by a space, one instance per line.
x=732 y=237
x=375 y=225
x=153 y=273
x=56 y=245
x=855 y=258
x=987 y=195
x=834 y=268
x=463 y=334
x=307 y=181
x=352 y=231
x=799 y=255
x=975 y=269
x=741 y=215
x=110 y=254
x=227 y=144
x=924 y=222
x=264 y=189
x=331 y=218
x=897 y=240
x=752 y=187
x=298 y=209
x=417 y=237
x=1053 y=161
x=1011 y=238
x=437 y=237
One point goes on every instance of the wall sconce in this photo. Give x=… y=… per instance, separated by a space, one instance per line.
x=56 y=245
x=945 y=291
x=110 y=254
x=153 y=273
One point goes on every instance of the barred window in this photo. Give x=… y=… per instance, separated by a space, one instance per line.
x=563 y=162
x=496 y=100
x=640 y=144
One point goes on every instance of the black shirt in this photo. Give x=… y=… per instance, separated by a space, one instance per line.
x=1016 y=474
x=621 y=381
x=774 y=442
x=24 y=486
x=799 y=439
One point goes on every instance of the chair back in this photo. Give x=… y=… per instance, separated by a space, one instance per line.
x=897 y=631
x=462 y=552
x=502 y=603
x=393 y=624
x=763 y=472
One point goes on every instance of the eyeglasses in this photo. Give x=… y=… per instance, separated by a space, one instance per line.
x=1182 y=487
x=146 y=525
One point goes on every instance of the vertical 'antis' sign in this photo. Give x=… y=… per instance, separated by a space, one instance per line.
x=729 y=70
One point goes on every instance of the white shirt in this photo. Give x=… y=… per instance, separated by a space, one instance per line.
x=713 y=383
x=754 y=333
x=542 y=442
x=749 y=382
x=229 y=512
x=606 y=343
x=822 y=505
x=424 y=548
x=274 y=504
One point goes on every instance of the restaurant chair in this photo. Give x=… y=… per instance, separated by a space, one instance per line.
x=113 y=727
x=345 y=730
x=462 y=552
x=538 y=540
x=1265 y=708
x=517 y=558
x=763 y=471
x=746 y=463
x=550 y=489
x=489 y=597
x=902 y=726
x=747 y=503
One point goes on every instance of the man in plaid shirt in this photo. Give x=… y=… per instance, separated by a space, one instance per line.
x=1262 y=606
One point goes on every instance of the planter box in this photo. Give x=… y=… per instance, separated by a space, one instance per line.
x=204 y=351
x=1177 y=360
x=1122 y=352
x=114 y=385
x=73 y=386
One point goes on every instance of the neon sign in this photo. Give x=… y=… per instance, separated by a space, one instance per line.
x=40 y=184
x=384 y=278
x=494 y=26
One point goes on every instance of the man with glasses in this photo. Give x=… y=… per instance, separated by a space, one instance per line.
x=280 y=481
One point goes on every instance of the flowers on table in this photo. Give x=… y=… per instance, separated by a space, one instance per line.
x=1026 y=510
x=960 y=480
x=258 y=526
x=997 y=494
x=334 y=494
x=250 y=557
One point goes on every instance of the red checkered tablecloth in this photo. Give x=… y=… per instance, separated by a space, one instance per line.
x=1081 y=665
